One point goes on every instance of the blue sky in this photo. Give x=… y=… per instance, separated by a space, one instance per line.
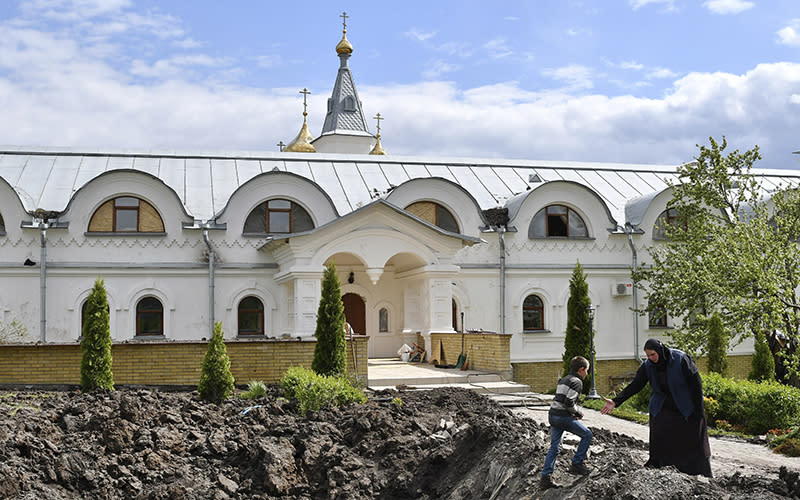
x=639 y=81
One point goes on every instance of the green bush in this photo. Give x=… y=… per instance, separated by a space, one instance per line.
x=330 y=356
x=216 y=379
x=314 y=392
x=762 y=364
x=255 y=389
x=787 y=444
x=717 y=346
x=759 y=406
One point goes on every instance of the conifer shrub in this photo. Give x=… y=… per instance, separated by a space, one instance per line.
x=216 y=380
x=577 y=341
x=96 y=342
x=717 y=346
x=330 y=352
x=314 y=392
x=762 y=364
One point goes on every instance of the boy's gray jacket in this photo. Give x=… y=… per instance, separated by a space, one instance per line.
x=567 y=392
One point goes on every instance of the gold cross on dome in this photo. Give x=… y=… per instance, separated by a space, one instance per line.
x=305 y=93
x=344 y=17
x=281 y=145
x=379 y=118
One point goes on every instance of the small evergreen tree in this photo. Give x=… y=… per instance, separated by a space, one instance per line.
x=96 y=342
x=216 y=379
x=717 y=346
x=578 y=336
x=329 y=353
x=763 y=364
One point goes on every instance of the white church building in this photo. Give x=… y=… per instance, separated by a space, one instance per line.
x=183 y=239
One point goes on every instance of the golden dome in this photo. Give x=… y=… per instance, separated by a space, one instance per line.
x=301 y=143
x=344 y=46
x=378 y=149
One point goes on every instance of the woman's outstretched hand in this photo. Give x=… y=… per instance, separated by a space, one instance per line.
x=610 y=405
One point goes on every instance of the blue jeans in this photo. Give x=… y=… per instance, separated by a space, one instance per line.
x=558 y=425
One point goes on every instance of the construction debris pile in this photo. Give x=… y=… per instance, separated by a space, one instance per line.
x=439 y=444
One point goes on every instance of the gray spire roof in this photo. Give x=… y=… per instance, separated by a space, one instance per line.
x=345 y=114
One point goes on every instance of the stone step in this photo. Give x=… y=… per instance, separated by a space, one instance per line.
x=488 y=387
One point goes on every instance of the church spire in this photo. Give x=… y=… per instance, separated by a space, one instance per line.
x=345 y=128
x=302 y=143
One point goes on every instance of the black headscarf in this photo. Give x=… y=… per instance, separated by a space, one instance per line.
x=660 y=349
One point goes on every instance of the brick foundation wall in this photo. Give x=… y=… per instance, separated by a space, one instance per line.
x=487 y=351
x=167 y=363
x=611 y=374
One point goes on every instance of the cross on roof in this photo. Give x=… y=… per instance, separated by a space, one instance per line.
x=305 y=93
x=379 y=118
x=344 y=17
x=281 y=145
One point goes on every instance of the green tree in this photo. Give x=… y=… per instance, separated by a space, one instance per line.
x=717 y=346
x=577 y=341
x=96 y=342
x=330 y=351
x=216 y=380
x=732 y=251
x=762 y=366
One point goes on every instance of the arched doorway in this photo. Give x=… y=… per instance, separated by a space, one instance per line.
x=355 y=312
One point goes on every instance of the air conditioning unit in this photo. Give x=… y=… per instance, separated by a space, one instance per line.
x=621 y=289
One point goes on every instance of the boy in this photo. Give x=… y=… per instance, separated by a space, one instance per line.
x=563 y=416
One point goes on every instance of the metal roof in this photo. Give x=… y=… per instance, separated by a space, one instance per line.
x=47 y=178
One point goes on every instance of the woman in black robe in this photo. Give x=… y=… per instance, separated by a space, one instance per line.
x=678 y=432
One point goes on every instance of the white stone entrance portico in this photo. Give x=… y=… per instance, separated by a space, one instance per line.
x=400 y=264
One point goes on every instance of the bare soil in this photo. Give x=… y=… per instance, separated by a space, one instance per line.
x=439 y=444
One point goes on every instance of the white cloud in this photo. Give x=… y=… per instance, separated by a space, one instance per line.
x=668 y=5
x=658 y=73
x=790 y=35
x=728 y=6
x=166 y=69
x=437 y=68
x=574 y=76
x=631 y=65
x=498 y=48
x=419 y=36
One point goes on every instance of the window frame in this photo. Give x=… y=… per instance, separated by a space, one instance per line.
x=569 y=213
x=657 y=317
x=438 y=209
x=666 y=219
x=267 y=210
x=256 y=311
x=140 y=312
x=540 y=309
x=383 y=325
x=115 y=209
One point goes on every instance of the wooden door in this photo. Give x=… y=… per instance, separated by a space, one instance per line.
x=355 y=312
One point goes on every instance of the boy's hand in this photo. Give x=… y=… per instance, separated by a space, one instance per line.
x=610 y=405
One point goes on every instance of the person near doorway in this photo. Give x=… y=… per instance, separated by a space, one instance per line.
x=565 y=415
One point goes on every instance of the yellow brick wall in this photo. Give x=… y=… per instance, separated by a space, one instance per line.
x=484 y=351
x=168 y=363
x=543 y=376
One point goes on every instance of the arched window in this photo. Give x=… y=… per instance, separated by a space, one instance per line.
x=657 y=317
x=278 y=216
x=434 y=213
x=666 y=219
x=126 y=214
x=149 y=317
x=532 y=314
x=383 y=320
x=349 y=103
x=2 y=225
x=251 y=316
x=557 y=221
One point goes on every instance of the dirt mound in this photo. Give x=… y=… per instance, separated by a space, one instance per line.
x=445 y=443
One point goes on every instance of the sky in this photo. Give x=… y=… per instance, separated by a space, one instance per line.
x=632 y=81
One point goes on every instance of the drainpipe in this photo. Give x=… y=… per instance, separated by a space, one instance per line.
x=43 y=281
x=211 y=258
x=635 y=298
x=501 y=231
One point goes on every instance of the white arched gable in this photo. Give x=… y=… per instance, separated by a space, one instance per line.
x=115 y=183
x=383 y=245
x=12 y=210
x=271 y=185
x=592 y=209
x=456 y=199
